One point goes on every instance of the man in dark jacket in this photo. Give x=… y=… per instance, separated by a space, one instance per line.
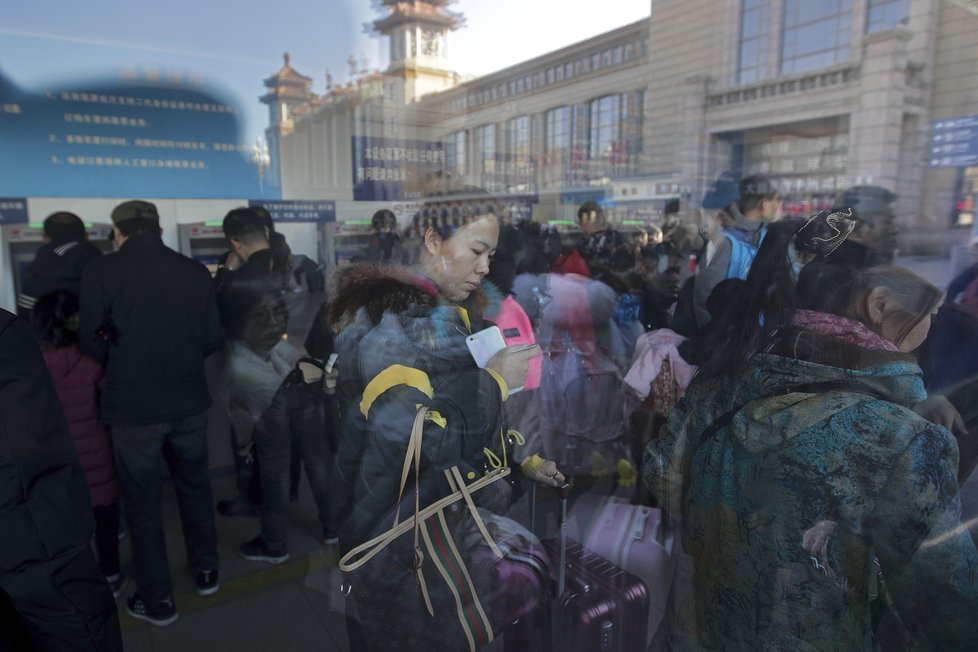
x=52 y=596
x=151 y=315
x=59 y=263
x=598 y=240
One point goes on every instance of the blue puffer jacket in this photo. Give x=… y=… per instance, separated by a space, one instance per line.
x=784 y=509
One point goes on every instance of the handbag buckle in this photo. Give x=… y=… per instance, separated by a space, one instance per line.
x=418 y=562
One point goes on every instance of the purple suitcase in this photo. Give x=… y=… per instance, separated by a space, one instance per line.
x=632 y=537
x=602 y=607
x=598 y=607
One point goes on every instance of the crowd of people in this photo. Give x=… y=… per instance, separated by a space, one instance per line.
x=769 y=385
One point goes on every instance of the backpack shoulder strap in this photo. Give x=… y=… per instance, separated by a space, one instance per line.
x=741 y=256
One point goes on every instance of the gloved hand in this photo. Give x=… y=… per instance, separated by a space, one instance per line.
x=543 y=471
x=626 y=473
x=599 y=468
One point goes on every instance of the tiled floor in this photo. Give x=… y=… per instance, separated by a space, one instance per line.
x=260 y=607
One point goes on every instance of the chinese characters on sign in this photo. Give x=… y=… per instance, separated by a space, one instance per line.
x=298 y=210
x=13 y=210
x=955 y=142
x=153 y=135
x=387 y=169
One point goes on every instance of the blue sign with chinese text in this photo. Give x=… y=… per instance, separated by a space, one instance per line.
x=389 y=169
x=147 y=134
x=295 y=210
x=955 y=142
x=13 y=210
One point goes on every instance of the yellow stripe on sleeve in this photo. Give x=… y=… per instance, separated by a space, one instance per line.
x=391 y=377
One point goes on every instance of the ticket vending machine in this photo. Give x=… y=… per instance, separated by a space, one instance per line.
x=22 y=242
x=350 y=240
x=204 y=242
x=569 y=231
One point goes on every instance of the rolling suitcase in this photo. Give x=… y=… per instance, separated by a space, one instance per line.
x=596 y=606
x=636 y=538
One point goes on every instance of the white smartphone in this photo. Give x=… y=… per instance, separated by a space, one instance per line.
x=485 y=344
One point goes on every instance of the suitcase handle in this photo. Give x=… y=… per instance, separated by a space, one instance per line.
x=638 y=527
x=563 y=492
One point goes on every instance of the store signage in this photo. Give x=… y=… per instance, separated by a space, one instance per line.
x=297 y=210
x=955 y=142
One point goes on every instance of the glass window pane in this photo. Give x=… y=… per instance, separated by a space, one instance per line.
x=886 y=14
x=754 y=27
x=815 y=35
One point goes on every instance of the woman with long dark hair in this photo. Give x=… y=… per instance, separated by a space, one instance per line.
x=794 y=461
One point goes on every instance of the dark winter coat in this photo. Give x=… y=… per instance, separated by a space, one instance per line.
x=319 y=340
x=76 y=378
x=56 y=266
x=151 y=315
x=301 y=410
x=401 y=345
x=45 y=511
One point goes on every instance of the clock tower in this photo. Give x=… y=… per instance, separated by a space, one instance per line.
x=417 y=32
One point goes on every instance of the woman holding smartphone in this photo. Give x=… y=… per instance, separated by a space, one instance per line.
x=401 y=340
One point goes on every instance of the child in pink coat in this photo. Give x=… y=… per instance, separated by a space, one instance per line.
x=76 y=379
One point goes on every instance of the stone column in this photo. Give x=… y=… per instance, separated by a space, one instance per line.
x=691 y=152
x=876 y=123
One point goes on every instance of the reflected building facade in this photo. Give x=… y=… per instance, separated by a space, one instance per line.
x=818 y=95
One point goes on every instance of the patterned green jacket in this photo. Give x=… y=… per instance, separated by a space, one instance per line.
x=784 y=509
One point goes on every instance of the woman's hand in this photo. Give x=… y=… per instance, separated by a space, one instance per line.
x=512 y=363
x=938 y=409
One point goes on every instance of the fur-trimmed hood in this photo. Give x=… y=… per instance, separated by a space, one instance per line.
x=378 y=290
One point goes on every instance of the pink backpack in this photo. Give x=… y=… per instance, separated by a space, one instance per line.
x=516 y=328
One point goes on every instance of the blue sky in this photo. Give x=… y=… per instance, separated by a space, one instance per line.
x=234 y=45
